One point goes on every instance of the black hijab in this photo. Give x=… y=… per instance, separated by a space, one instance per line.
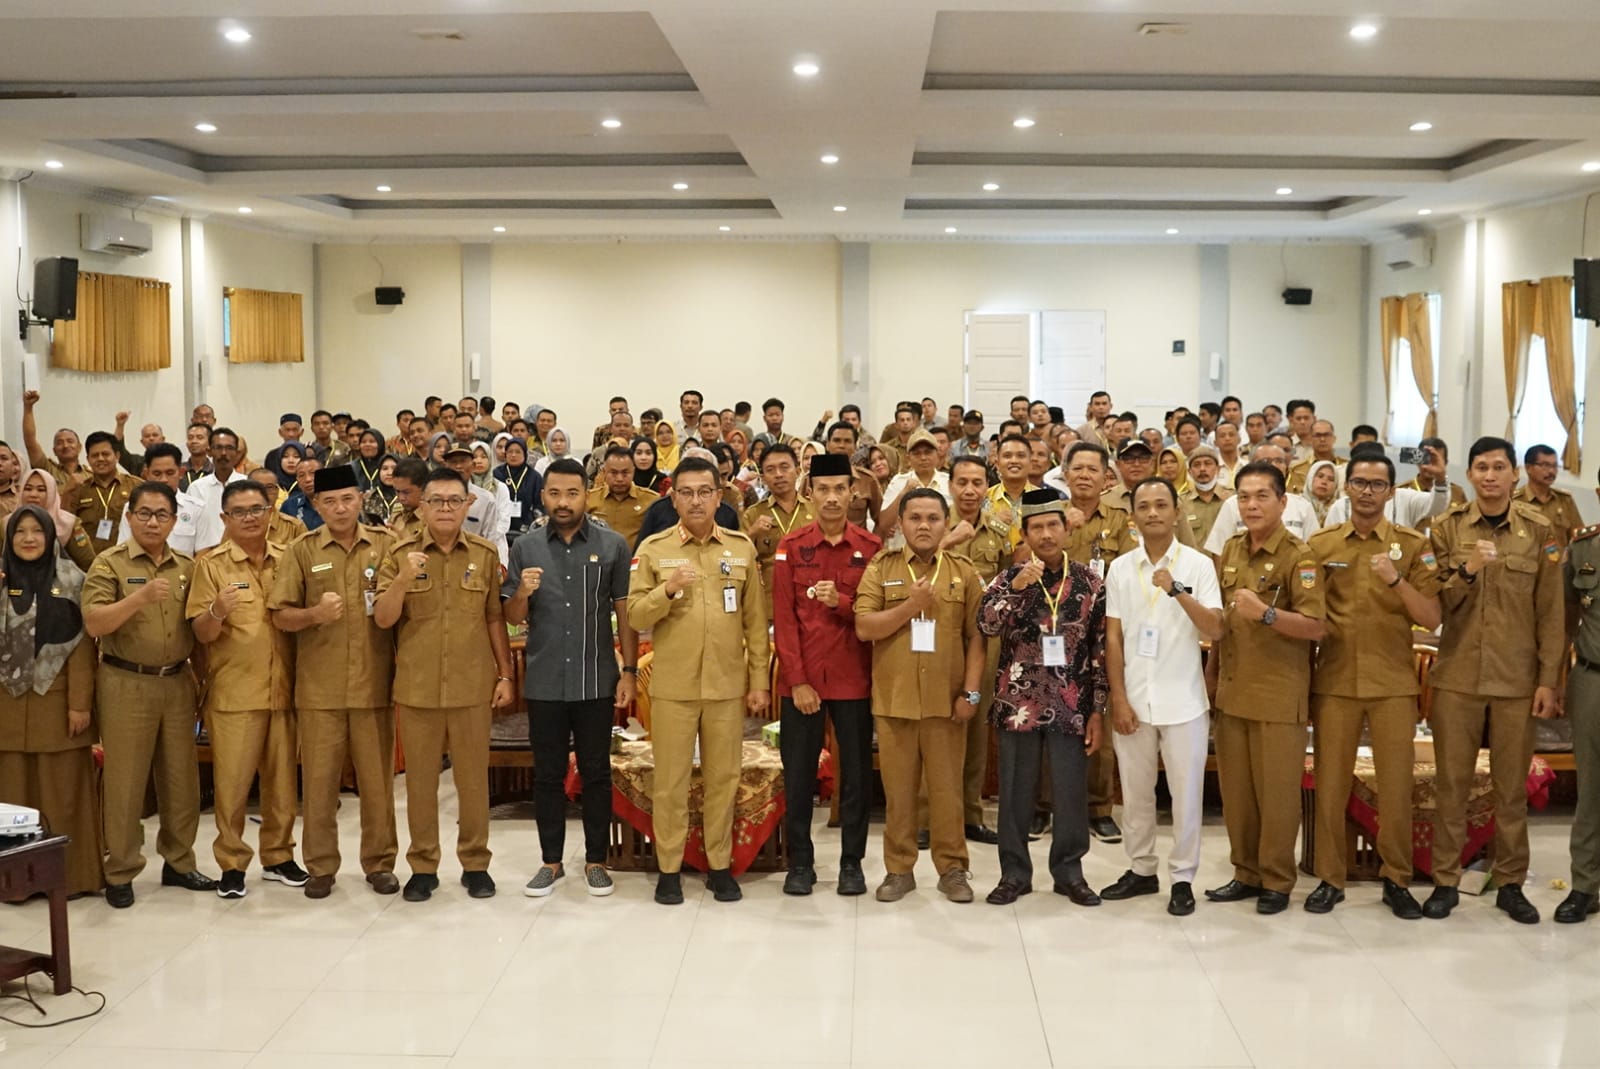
x=646 y=478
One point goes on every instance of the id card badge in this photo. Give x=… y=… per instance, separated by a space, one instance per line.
x=730 y=599
x=1055 y=651
x=921 y=635
x=1149 y=640
x=371 y=598
x=102 y=530
x=516 y=509
x=1098 y=567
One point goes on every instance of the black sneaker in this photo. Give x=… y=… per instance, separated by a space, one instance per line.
x=669 y=889
x=478 y=884
x=286 y=872
x=420 y=887
x=852 y=881
x=800 y=880
x=1105 y=829
x=724 y=888
x=231 y=885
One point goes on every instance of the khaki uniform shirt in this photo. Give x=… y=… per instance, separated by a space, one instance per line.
x=1005 y=513
x=1105 y=535
x=251 y=663
x=707 y=648
x=914 y=686
x=1266 y=675
x=988 y=550
x=766 y=542
x=8 y=500
x=1121 y=497
x=866 y=497
x=66 y=480
x=283 y=528
x=1504 y=632
x=626 y=516
x=157 y=635
x=348 y=664
x=1200 y=515
x=1581 y=572
x=1560 y=511
x=1367 y=650
x=99 y=508
x=407 y=524
x=443 y=659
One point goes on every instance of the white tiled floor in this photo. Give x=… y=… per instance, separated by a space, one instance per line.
x=363 y=982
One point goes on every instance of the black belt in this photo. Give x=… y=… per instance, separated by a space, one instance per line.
x=143 y=669
x=1586 y=664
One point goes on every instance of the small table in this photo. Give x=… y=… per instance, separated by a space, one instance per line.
x=27 y=869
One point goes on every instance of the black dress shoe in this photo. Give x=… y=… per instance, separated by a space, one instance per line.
x=978 y=833
x=1040 y=822
x=924 y=841
x=1574 y=909
x=1324 y=898
x=1400 y=902
x=724 y=888
x=420 y=887
x=1271 y=901
x=189 y=881
x=1181 y=901
x=1008 y=891
x=478 y=884
x=1130 y=885
x=800 y=880
x=1105 y=829
x=1077 y=890
x=669 y=889
x=1440 y=903
x=1233 y=891
x=119 y=895
x=1516 y=904
x=851 y=879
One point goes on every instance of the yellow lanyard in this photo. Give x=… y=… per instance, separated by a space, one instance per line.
x=1054 y=603
x=938 y=563
x=372 y=476
x=516 y=487
x=105 y=499
x=793 y=517
x=1155 y=593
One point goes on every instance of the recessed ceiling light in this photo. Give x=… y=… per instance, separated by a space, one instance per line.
x=245 y=209
x=680 y=186
x=830 y=158
x=990 y=187
x=1421 y=127
x=949 y=230
x=1424 y=211
x=611 y=124
x=237 y=34
x=1283 y=191
x=1363 y=31
x=499 y=230
x=1171 y=230
x=385 y=189
x=840 y=208
x=1022 y=123
x=724 y=229
x=806 y=70
x=54 y=165
x=206 y=127
x=1591 y=167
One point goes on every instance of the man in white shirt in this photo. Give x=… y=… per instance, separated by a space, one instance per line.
x=923 y=452
x=1229 y=458
x=1408 y=507
x=1298 y=515
x=1161 y=601
x=203 y=499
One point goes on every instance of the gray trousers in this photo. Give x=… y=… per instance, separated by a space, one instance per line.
x=1021 y=753
x=1583 y=709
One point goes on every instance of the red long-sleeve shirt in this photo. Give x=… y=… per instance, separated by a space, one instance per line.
x=816 y=643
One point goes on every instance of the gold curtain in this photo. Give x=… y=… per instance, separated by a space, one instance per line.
x=1391 y=315
x=266 y=327
x=123 y=324
x=1419 y=332
x=1554 y=323
x=1518 y=306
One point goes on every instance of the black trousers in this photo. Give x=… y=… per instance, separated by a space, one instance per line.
x=800 y=743
x=554 y=729
x=1021 y=754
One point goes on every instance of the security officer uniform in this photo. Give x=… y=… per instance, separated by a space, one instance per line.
x=1581 y=573
x=1105 y=534
x=1504 y=636
x=766 y=540
x=343 y=672
x=1366 y=672
x=623 y=516
x=144 y=691
x=99 y=504
x=711 y=649
x=1559 y=510
x=249 y=708
x=1199 y=510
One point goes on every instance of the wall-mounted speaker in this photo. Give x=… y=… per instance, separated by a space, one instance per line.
x=1296 y=296
x=55 y=288
x=389 y=295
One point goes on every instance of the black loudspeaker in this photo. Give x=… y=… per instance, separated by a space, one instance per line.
x=55 y=288
x=1296 y=296
x=1586 y=289
x=389 y=295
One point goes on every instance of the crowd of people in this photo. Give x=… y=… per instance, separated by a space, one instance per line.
x=1111 y=601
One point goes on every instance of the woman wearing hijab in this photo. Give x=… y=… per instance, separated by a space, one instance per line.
x=1172 y=467
x=1322 y=488
x=438 y=445
x=522 y=483
x=290 y=454
x=377 y=504
x=40 y=489
x=47 y=693
x=498 y=444
x=557 y=444
x=647 y=473
x=368 y=459
x=666 y=439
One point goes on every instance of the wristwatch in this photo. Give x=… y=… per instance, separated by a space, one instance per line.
x=631 y=669
x=1270 y=617
x=1178 y=588
x=973 y=696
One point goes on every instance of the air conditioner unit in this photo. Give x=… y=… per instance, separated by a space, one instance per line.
x=117 y=236
x=1412 y=252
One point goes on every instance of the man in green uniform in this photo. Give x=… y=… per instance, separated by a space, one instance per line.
x=1581 y=575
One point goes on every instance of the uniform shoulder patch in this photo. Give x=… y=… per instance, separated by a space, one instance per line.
x=1580 y=533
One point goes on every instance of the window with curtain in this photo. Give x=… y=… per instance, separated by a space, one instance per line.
x=124 y=324
x=262 y=327
x=1537 y=421
x=1408 y=410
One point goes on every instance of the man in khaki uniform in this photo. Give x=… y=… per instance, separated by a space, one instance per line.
x=133 y=602
x=1135 y=463
x=1541 y=466
x=1200 y=505
x=1380 y=580
x=619 y=502
x=409 y=475
x=1273 y=608
x=440 y=591
x=99 y=502
x=1500 y=657
x=65 y=466
x=697 y=587
x=774 y=516
x=866 y=493
x=324 y=594
x=919 y=609
x=249 y=677
x=1004 y=504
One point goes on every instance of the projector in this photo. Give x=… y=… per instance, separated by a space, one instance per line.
x=18 y=820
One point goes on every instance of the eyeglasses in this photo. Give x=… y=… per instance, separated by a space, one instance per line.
x=700 y=494
x=147 y=516
x=1362 y=486
x=254 y=512
x=445 y=504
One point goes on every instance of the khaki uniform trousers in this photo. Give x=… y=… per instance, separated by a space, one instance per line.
x=243 y=744
x=1259 y=769
x=428 y=734
x=147 y=725
x=906 y=750
x=674 y=726
x=1459 y=721
x=366 y=737
x=1583 y=709
x=1336 y=723
x=975 y=762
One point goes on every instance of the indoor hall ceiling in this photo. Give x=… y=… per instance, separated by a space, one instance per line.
x=1180 y=120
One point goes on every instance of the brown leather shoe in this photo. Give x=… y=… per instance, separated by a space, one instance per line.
x=385 y=883
x=319 y=887
x=1007 y=892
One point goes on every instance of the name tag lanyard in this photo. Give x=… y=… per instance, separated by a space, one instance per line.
x=922 y=633
x=103 y=528
x=1054 y=644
